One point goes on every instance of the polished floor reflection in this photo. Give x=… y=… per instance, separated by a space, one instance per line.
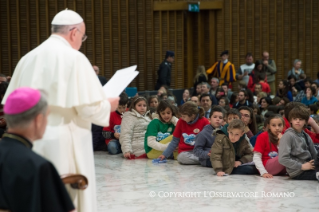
x=139 y=185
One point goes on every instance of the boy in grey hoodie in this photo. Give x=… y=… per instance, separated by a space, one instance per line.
x=296 y=150
x=205 y=139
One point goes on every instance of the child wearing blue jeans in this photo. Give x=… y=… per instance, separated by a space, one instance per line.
x=231 y=150
x=113 y=131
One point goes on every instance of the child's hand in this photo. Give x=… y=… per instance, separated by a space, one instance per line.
x=311 y=121
x=220 y=174
x=237 y=163
x=117 y=135
x=279 y=137
x=208 y=154
x=128 y=155
x=162 y=157
x=308 y=166
x=266 y=175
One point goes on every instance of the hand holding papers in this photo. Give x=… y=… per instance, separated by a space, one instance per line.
x=114 y=102
x=120 y=80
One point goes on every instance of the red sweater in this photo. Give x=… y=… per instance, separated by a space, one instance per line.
x=265 y=87
x=108 y=132
x=184 y=130
x=251 y=84
x=263 y=146
x=313 y=136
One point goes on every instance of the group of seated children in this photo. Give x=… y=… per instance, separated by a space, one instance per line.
x=222 y=141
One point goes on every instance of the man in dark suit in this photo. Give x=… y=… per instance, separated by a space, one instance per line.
x=97 y=136
x=164 y=71
x=28 y=182
x=205 y=90
x=101 y=78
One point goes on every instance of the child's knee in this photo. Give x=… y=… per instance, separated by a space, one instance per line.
x=113 y=147
x=181 y=157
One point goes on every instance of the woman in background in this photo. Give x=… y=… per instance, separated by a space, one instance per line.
x=200 y=77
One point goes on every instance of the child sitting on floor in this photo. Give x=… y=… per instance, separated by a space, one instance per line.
x=297 y=152
x=249 y=119
x=153 y=101
x=159 y=132
x=265 y=129
x=266 y=148
x=191 y=123
x=113 y=131
x=233 y=114
x=205 y=139
x=223 y=102
x=133 y=128
x=231 y=150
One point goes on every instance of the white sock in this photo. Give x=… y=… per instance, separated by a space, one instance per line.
x=317 y=175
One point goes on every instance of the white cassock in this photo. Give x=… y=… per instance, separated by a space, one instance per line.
x=76 y=100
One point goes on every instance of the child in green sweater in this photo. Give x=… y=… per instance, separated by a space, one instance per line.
x=159 y=131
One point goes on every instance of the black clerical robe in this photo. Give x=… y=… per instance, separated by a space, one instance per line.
x=28 y=182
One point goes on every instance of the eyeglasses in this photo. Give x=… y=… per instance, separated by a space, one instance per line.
x=84 y=37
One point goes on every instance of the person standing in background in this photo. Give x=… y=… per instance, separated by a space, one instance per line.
x=271 y=69
x=296 y=70
x=164 y=71
x=245 y=69
x=200 y=77
x=102 y=79
x=223 y=70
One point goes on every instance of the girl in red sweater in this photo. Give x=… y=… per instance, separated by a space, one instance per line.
x=266 y=148
x=192 y=121
x=113 y=131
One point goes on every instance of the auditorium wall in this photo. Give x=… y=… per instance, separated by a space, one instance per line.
x=127 y=32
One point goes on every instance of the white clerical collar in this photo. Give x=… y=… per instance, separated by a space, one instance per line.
x=225 y=61
x=61 y=39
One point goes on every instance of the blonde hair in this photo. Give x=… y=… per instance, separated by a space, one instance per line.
x=236 y=124
x=261 y=94
x=200 y=71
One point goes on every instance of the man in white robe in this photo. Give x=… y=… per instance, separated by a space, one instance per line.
x=76 y=100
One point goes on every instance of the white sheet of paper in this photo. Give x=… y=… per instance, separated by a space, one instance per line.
x=120 y=80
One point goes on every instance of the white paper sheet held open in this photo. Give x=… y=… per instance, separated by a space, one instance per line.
x=120 y=80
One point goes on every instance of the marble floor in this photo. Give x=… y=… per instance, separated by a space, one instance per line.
x=139 y=185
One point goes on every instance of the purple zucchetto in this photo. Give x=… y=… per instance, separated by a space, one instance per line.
x=21 y=100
